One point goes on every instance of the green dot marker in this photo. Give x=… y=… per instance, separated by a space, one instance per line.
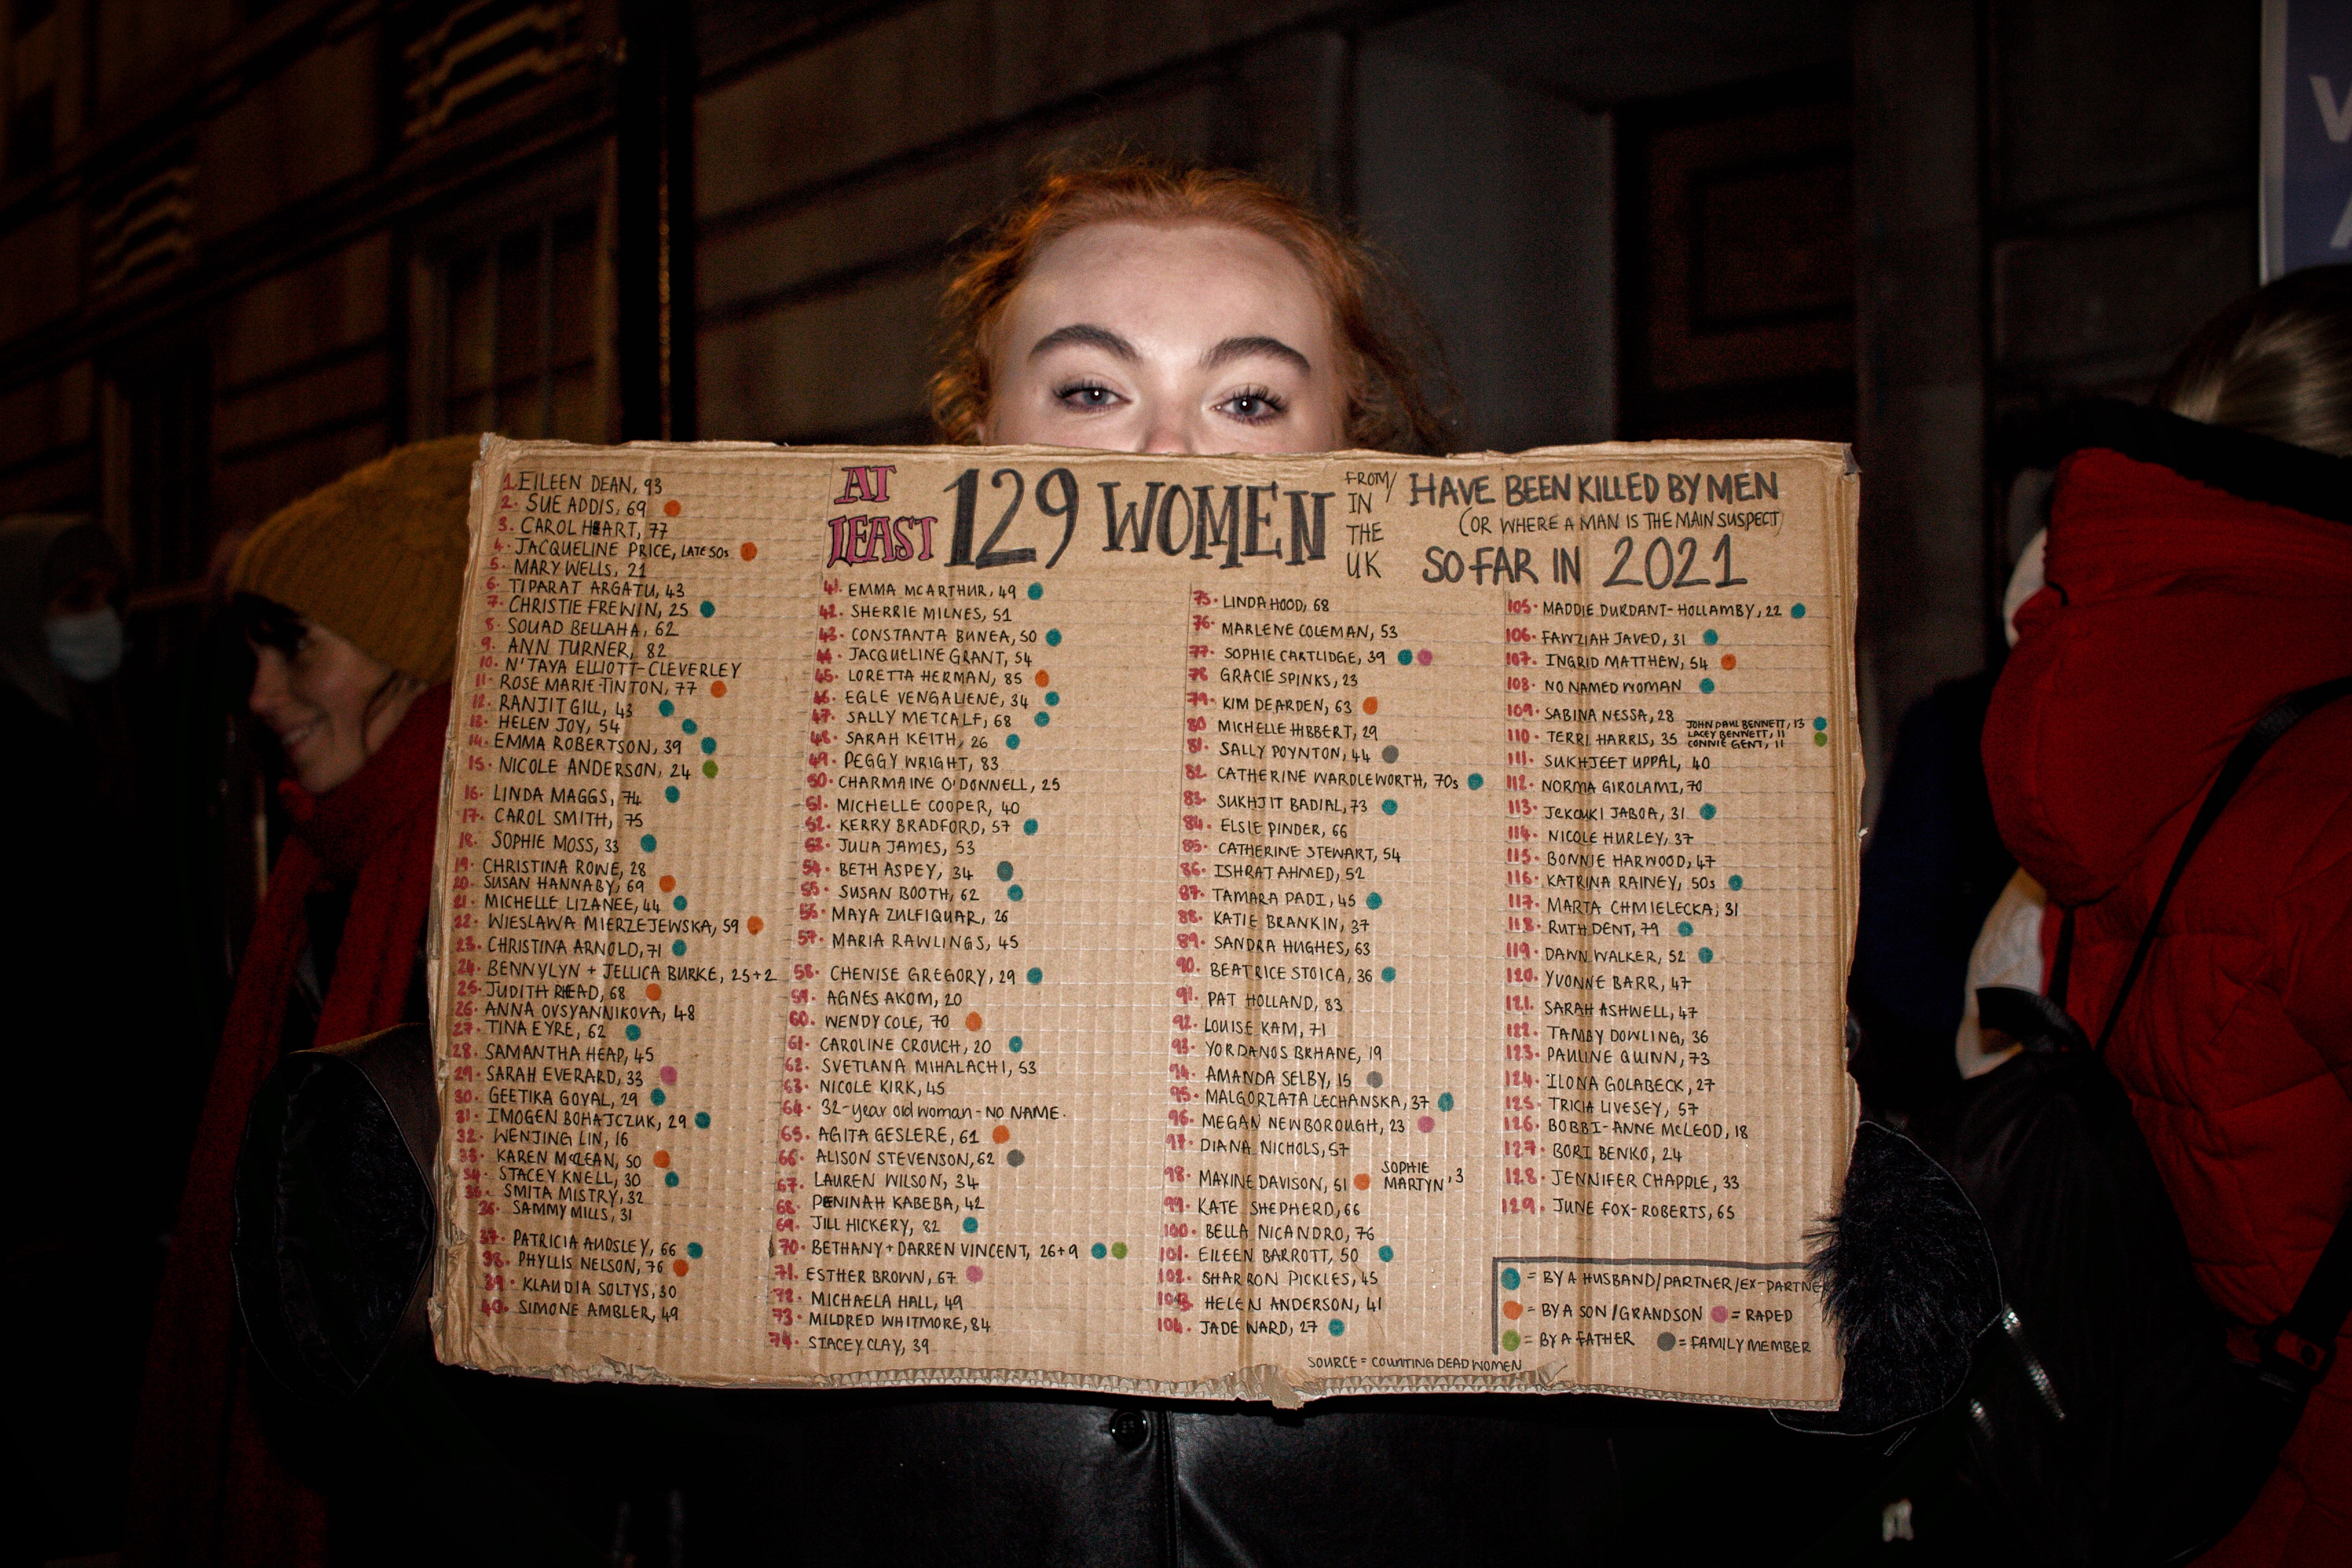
x=710 y=770
x=1510 y=1339
x=1706 y=812
x=1037 y=977
x=1820 y=739
x=1054 y=640
x=694 y=1250
x=1478 y=781
x=702 y=1119
x=1118 y=1249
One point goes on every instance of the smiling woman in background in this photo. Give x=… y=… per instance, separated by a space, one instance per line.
x=349 y=598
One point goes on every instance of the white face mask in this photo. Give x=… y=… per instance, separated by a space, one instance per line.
x=86 y=647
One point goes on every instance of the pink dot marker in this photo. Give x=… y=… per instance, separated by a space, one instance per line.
x=1428 y=1123
x=1721 y=1313
x=669 y=1075
x=973 y=1274
x=1424 y=658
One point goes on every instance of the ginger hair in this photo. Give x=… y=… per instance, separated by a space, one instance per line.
x=1382 y=336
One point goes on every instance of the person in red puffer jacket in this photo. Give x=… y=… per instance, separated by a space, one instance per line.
x=2200 y=569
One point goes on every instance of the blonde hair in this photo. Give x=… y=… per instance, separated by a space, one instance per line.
x=1379 y=333
x=2277 y=363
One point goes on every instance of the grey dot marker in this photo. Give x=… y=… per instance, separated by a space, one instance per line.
x=1388 y=753
x=1014 y=1158
x=1665 y=1342
x=1375 y=1080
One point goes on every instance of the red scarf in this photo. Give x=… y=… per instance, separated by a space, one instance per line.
x=206 y=1486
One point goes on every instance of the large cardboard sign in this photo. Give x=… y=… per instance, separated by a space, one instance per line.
x=1260 y=927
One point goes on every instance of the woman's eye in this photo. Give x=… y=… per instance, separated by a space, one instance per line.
x=1087 y=394
x=1253 y=408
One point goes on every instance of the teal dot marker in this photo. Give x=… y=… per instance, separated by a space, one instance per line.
x=1404 y=656
x=1037 y=977
x=667 y=708
x=1707 y=955
x=1710 y=636
x=1819 y=722
x=1013 y=1045
x=633 y=1032
x=1444 y=1102
x=1388 y=809
x=1045 y=718
x=709 y=609
x=687 y=726
x=1054 y=640
x=1388 y=972
x=710 y=770
x=1005 y=870
x=1372 y=901
x=1099 y=1250
x=1013 y=743
x=1706 y=683
x=646 y=844
x=1478 y=781
x=1030 y=827
x=677 y=949
x=659 y=1097
x=1796 y=612
x=1706 y=812
x=1737 y=881
x=1014 y=892
x=709 y=744
x=1053 y=700
x=678 y=902
x=1036 y=590
x=969 y=1225
x=1510 y=1278
x=1337 y=1327
x=1684 y=929
x=694 y=1250
x=1388 y=1255
x=671 y=794
x=702 y=1119
x=670 y=1179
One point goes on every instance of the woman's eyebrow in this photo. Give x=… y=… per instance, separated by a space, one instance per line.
x=1242 y=348
x=1102 y=337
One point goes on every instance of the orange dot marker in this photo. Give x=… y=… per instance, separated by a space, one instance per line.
x=1512 y=1309
x=718 y=688
x=653 y=993
x=755 y=925
x=661 y=1159
x=1002 y=1135
x=668 y=883
x=1731 y=661
x=972 y=1020
x=677 y=1266
x=750 y=551
x=1363 y=1181
x=670 y=508
x=1371 y=704
x=1043 y=680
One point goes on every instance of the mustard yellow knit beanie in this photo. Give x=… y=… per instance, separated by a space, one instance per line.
x=378 y=557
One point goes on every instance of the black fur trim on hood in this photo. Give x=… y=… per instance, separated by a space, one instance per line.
x=1908 y=1278
x=2250 y=467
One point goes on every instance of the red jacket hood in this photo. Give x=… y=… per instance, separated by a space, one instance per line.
x=2176 y=611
